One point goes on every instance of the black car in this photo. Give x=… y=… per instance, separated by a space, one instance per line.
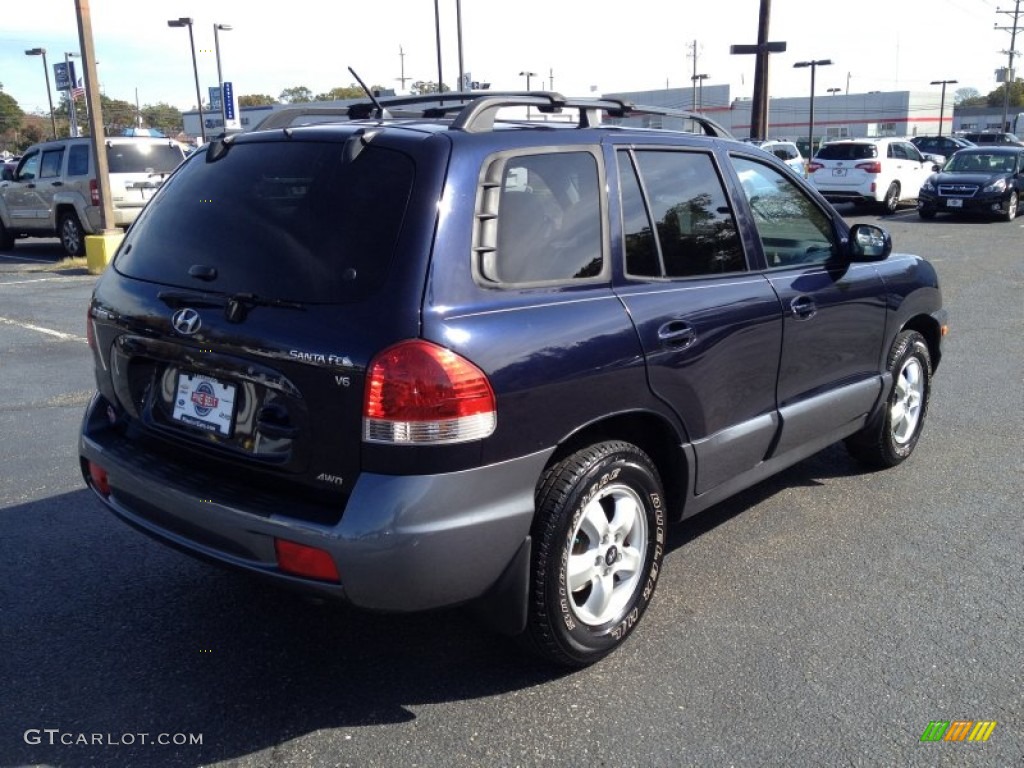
x=980 y=180
x=944 y=146
x=432 y=354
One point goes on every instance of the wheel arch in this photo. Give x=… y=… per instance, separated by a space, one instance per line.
x=651 y=433
x=930 y=328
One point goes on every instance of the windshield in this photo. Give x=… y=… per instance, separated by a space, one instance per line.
x=980 y=162
x=290 y=220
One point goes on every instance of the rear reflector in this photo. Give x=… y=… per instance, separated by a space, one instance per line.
x=308 y=562
x=418 y=393
x=99 y=478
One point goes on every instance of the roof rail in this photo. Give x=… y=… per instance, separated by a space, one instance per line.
x=476 y=111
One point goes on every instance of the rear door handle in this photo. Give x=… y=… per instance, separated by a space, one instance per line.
x=803 y=307
x=677 y=334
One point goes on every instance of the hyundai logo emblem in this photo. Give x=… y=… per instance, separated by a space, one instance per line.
x=186 y=321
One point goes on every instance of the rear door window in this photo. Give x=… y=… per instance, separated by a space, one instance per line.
x=292 y=220
x=78 y=160
x=684 y=214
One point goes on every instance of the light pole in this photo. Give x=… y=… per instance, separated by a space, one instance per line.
x=527 y=74
x=699 y=79
x=49 y=96
x=814 y=64
x=833 y=91
x=187 y=22
x=217 y=29
x=942 y=100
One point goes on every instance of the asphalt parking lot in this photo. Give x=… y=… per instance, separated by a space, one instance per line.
x=824 y=617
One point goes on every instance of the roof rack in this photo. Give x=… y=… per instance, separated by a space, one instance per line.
x=476 y=111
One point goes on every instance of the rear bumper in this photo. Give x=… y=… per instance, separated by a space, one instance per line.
x=403 y=543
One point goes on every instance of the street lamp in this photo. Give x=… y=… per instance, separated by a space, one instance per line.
x=942 y=100
x=699 y=79
x=217 y=28
x=527 y=74
x=814 y=64
x=187 y=22
x=833 y=91
x=49 y=96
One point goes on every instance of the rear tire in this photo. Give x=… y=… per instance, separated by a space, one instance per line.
x=6 y=238
x=72 y=236
x=891 y=438
x=599 y=539
x=891 y=201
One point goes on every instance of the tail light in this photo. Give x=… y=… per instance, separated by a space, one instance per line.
x=94 y=192
x=418 y=393
x=873 y=167
x=813 y=166
x=305 y=561
x=100 y=481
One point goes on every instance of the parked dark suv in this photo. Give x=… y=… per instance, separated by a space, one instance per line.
x=438 y=354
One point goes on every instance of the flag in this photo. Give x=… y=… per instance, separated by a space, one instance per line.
x=78 y=90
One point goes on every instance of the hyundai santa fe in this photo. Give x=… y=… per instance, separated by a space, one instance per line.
x=431 y=353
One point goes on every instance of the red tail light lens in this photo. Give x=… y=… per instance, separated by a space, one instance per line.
x=94 y=192
x=99 y=478
x=872 y=167
x=813 y=166
x=418 y=393
x=308 y=562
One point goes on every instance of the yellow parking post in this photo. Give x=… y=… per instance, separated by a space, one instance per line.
x=99 y=250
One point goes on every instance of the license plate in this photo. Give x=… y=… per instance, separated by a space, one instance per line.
x=954 y=202
x=204 y=403
x=838 y=171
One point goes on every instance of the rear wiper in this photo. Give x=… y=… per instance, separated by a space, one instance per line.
x=236 y=307
x=239 y=304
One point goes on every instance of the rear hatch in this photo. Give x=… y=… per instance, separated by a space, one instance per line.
x=235 y=328
x=137 y=168
x=845 y=165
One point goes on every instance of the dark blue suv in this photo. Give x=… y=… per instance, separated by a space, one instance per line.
x=430 y=354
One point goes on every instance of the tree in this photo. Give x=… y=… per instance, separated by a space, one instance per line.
x=256 y=100
x=10 y=113
x=164 y=117
x=995 y=98
x=299 y=94
x=428 y=86
x=352 y=91
x=967 y=97
x=117 y=115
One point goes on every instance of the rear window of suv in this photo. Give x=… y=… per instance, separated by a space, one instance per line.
x=143 y=157
x=290 y=220
x=847 y=152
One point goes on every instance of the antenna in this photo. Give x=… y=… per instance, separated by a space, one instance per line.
x=382 y=113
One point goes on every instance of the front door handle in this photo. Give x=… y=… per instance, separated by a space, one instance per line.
x=803 y=307
x=677 y=334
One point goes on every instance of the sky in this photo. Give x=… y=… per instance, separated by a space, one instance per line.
x=578 y=46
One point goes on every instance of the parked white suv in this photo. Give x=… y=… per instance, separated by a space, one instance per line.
x=53 y=190
x=786 y=151
x=884 y=172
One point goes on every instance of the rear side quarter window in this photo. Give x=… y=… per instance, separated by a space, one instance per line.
x=540 y=219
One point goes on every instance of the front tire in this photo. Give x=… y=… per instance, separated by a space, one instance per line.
x=1011 y=207
x=926 y=213
x=600 y=537
x=891 y=438
x=6 y=238
x=72 y=236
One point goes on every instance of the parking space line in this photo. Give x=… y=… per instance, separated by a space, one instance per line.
x=26 y=258
x=39 y=329
x=46 y=279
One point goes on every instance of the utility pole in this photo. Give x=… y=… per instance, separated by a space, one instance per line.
x=401 y=59
x=693 y=55
x=1009 y=79
x=759 y=110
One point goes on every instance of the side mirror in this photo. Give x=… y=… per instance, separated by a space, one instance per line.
x=868 y=243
